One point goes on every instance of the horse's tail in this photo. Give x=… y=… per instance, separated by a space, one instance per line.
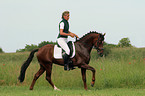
x=25 y=65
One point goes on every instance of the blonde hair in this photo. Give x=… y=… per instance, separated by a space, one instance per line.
x=64 y=13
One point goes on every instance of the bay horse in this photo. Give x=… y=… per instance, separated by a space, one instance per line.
x=81 y=60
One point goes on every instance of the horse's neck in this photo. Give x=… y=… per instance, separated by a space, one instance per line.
x=87 y=43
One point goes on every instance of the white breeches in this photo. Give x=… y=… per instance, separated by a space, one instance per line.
x=63 y=44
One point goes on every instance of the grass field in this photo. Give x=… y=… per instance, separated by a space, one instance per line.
x=46 y=91
x=121 y=73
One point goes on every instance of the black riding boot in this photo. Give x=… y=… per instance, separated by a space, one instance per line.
x=66 y=61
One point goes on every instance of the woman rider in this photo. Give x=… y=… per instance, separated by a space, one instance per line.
x=63 y=35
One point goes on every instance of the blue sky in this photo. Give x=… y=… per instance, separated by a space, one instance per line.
x=32 y=21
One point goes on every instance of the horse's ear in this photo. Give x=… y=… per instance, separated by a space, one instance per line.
x=104 y=34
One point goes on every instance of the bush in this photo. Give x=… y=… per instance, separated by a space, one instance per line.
x=20 y=50
x=32 y=46
x=124 y=42
x=107 y=50
x=1 y=50
x=45 y=43
x=28 y=48
x=109 y=45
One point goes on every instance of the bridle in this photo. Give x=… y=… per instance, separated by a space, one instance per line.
x=96 y=47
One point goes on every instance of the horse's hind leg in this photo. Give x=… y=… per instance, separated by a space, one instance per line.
x=48 y=76
x=37 y=75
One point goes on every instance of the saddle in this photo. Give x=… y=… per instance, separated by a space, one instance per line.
x=58 y=51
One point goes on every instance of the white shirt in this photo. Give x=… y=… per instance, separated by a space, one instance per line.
x=62 y=25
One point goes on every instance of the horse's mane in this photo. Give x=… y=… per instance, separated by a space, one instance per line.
x=88 y=34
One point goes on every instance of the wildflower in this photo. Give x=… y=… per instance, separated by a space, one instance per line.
x=100 y=69
x=129 y=62
x=3 y=64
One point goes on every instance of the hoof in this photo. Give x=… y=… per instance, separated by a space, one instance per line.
x=92 y=84
x=31 y=88
x=55 y=88
x=86 y=89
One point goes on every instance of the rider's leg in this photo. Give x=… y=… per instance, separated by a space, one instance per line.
x=63 y=44
x=66 y=61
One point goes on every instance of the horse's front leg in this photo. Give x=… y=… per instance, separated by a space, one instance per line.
x=83 y=71
x=87 y=67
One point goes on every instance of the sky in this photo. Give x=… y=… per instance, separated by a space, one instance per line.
x=33 y=21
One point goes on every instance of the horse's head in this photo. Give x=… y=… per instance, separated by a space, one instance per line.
x=93 y=39
x=98 y=44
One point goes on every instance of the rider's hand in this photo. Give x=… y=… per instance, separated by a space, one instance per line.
x=75 y=35
x=72 y=35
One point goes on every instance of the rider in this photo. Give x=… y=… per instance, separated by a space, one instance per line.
x=62 y=37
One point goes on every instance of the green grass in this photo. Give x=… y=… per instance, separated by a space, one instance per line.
x=46 y=91
x=122 y=68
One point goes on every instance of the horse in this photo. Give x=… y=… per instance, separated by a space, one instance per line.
x=81 y=59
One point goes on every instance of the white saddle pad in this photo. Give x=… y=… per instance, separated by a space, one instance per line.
x=58 y=52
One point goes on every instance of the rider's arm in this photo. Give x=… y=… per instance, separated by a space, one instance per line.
x=65 y=34
x=74 y=34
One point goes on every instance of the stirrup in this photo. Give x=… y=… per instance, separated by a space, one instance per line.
x=66 y=67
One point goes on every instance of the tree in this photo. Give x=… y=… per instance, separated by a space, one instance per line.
x=28 y=48
x=124 y=42
x=45 y=43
